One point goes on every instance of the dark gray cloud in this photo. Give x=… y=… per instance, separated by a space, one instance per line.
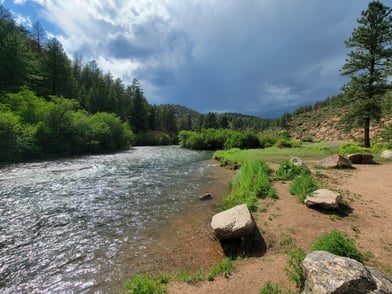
x=258 y=57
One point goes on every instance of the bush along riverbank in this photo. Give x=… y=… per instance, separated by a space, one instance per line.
x=292 y=232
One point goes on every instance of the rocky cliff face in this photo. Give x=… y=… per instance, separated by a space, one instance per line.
x=322 y=125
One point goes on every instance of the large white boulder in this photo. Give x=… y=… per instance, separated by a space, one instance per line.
x=324 y=198
x=233 y=223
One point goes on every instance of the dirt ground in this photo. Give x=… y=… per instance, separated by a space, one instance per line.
x=367 y=193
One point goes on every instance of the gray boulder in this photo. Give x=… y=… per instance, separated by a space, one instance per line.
x=324 y=198
x=386 y=154
x=361 y=158
x=329 y=273
x=384 y=285
x=233 y=223
x=334 y=161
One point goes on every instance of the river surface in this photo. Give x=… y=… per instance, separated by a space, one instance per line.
x=65 y=225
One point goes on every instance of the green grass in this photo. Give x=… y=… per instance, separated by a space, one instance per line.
x=302 y=186
x=188 y=277
x=338 y=243
x=146 y=284
x=294 y=268
x=225 y=268
x=269 y=288
x=251 y=182
x=309 y=151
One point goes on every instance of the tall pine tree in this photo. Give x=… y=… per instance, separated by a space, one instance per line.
x=368 y=65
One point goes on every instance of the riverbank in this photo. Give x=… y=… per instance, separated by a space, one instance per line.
x=285 y=223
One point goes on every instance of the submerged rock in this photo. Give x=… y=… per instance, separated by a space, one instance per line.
x=206 y=196
x=233 y=223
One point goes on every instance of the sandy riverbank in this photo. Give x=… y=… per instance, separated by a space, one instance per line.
x=366 y=189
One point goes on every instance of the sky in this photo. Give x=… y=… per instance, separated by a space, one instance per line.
x=256 y=57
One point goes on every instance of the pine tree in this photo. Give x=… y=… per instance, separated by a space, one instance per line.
x=368 y=65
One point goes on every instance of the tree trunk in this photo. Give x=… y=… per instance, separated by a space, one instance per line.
x=367 y=133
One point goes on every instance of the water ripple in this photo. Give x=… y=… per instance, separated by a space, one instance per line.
x=62 y=222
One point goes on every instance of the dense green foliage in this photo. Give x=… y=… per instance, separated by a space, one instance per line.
x=338 y=243
x=33 y=127
x=215 y=139
x=287 y=170
x=369 y=66
x=294 y=268
x=302 y=186
x=251 y=182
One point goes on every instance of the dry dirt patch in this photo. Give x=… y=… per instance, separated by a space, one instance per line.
x=367 y=191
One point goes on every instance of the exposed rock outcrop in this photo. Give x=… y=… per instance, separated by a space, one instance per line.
x=324 y=198
x=329 y=273
x=334 y=161
x=233 y=223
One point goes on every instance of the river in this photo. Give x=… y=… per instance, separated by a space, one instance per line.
x=79 y=225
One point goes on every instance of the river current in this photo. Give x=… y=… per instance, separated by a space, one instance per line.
x=64 y=223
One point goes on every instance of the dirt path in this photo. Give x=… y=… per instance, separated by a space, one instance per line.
x=367 y=190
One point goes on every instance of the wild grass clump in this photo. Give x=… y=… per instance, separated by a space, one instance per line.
x=269 y=288
x=287 y=170
x=302 y=186
x=338 y=243
x=146 y=284
x=379 y=147
x=251 y=182
x=225 y=268
x=349 y=148
x=294 y=269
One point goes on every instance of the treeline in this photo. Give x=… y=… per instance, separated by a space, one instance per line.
x=28 y=60
x=218 y=139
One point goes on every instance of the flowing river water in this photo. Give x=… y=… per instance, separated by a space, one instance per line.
x=83 y=225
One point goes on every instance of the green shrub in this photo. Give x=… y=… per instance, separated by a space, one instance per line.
x=269 y=288
x=252 y=181
x=287 y=170
x=285 y=143
x=348 y=148
x=338 y=243
x=268 y=140
x=225 y=268
x=379 y=147
x=145 y=284
x=302 y=186
x=294 y=268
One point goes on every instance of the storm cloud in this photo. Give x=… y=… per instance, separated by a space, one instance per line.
x=258 y=57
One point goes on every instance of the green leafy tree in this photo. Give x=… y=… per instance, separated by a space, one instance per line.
x=368 y=65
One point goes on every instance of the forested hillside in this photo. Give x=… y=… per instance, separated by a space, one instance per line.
x=51 y=105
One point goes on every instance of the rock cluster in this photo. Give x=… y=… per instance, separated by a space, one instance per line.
x=329 y=273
